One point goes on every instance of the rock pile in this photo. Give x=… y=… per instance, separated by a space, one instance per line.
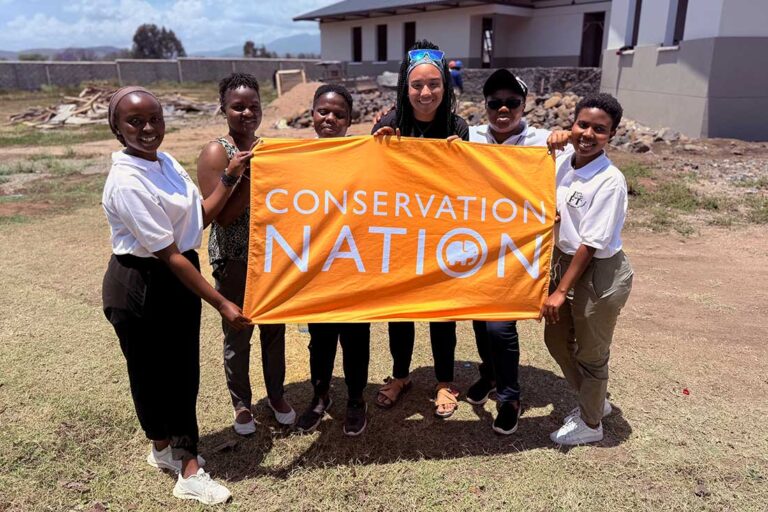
x=550 y=111
x=91 y=106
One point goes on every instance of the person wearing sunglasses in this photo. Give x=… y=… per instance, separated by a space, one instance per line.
x=497 y=342
x=426 y=108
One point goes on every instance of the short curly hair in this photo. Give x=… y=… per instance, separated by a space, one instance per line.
x=235 y=81
x=335 y=88
x=604 y=102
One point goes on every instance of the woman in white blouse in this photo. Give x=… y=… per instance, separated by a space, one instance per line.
x=152 y=288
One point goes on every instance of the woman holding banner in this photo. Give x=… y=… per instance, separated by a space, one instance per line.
x=497 y=342
x=591 y=275
x=152 y=288
x=425 y=108
x=228 y=254
x=331 y=116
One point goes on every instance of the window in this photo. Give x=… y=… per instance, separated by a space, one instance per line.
x=357 y=44
x=636 y=23
x=381 y=43
x=682 y=11
x=409 y=35
x=487 y=45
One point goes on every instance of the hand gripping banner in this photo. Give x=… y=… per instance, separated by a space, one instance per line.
x=364 y=229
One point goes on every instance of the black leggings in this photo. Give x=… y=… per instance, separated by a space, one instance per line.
x=355 y=342
x=442 y=336
x=157 y=320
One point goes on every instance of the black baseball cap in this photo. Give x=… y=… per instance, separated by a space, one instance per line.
x=504 y=79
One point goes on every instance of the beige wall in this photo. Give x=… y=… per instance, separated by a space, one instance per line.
x=706 y=88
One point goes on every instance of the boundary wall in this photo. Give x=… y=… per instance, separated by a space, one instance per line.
x=34 y=75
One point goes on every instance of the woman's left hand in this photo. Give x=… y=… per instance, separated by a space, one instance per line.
x=551 y=308
x=453 y=138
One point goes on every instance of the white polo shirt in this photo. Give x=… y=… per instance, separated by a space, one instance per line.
x=592 y=202
x=529 y=136
x=150 y=205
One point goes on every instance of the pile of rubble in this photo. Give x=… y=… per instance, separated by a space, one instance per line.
x=92 y=104
x=550 y=111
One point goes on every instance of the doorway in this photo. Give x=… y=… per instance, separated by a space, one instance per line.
x=592 y=39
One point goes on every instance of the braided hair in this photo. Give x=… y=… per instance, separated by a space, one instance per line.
x=235 y=81
x=444 y=115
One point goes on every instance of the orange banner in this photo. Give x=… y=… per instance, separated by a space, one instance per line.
x=359 y=229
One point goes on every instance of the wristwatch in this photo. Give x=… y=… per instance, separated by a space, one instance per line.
x=229 y=181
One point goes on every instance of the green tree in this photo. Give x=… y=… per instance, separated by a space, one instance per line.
x=32 y=56
x=249 y=49
x=150 y=42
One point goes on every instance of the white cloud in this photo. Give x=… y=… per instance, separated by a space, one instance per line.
x=199 y=24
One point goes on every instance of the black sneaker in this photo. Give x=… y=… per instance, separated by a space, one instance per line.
x=311 y=418
x=356 y=419
x=507 y=417
x=480 y=391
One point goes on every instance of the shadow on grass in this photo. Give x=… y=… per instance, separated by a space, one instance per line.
x=408 y=431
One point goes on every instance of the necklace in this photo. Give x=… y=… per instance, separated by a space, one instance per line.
x=425 y=130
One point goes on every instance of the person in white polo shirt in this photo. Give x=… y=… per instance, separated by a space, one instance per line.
x=591 y=275
x=497 y=342
x=152 y=288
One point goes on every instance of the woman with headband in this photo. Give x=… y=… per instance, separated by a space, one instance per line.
x=425 y=108
x=152 y=288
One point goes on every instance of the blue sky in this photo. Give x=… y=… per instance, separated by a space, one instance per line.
x=200 y=24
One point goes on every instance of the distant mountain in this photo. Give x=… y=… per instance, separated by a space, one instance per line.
x=300 y=43
x=229 y=51
x=99 y=51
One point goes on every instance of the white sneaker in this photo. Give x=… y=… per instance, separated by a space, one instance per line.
x=283 y=418
x=577 y=432
x=575 y=413
x=201 y=487
x=163 y=459
x=244 y=429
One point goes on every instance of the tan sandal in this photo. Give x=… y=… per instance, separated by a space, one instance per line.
x=446 y=402
x=391 y=392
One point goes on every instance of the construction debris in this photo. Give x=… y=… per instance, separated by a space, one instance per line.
x=550 y=111
x=92 y=104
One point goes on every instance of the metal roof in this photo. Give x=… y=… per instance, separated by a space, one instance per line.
x=366 y=8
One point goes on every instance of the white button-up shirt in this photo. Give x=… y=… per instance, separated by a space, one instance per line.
x=592 y=202
x=150 y=205
x=529 y=136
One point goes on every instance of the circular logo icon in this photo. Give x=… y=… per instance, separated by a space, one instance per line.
x=461 y=252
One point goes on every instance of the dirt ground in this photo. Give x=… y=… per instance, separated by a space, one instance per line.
x=688 y=382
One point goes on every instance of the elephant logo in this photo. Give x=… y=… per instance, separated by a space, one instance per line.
x=461 y=252
x=458 y=253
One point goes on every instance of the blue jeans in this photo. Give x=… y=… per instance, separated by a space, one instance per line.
x=499 y=349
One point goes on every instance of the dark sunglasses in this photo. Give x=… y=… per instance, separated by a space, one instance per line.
x=510 y=103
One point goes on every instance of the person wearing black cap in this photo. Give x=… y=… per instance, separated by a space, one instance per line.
x=505 y=95
x=497 y=342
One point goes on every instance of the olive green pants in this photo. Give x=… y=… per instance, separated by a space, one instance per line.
x=580 y=341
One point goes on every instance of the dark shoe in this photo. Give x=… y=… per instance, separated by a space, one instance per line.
x=480 y=391
x=311 y=418
x=507 y=418
x=356 y=420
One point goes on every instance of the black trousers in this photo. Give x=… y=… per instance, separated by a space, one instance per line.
x=442 y=336
x=499 y=350
x=355 y=342
x=157 y=320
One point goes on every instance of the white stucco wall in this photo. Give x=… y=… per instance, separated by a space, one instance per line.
x=653 y=22
x=619 y=23
x=703 y=19
x=744 y=18
x=519 y=32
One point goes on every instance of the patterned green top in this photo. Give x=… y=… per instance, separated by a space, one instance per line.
x=229 y=242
